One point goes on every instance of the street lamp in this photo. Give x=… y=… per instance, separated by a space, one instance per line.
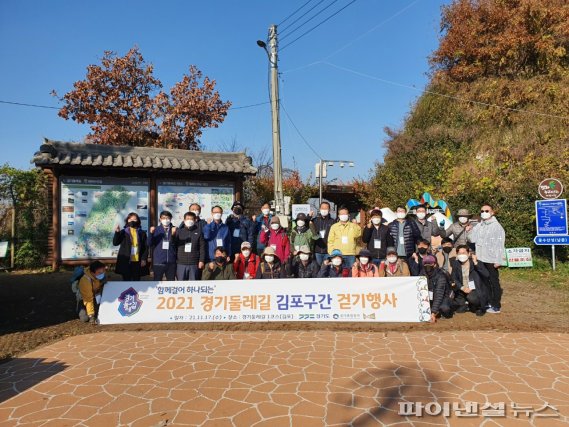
x=330 y=163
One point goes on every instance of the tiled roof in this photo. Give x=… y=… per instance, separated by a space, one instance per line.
x=110 y=156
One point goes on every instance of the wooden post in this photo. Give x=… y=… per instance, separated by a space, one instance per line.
x=153 y=201
x=56 y=223
x=13 y=243
x=239 y=191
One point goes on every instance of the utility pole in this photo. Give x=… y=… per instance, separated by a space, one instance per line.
x=277 y=162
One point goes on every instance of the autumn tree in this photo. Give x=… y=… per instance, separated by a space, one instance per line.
x=124 y=104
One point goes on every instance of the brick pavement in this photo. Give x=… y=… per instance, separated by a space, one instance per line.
x=276 y=378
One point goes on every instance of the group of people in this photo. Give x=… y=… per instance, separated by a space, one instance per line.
x=462 y=272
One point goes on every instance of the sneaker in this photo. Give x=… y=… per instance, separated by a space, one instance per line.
x=83 y=315
x=92 y=320
x=480 y=312
x=493 y=310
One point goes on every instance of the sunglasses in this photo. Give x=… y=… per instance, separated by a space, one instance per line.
x=484 y=210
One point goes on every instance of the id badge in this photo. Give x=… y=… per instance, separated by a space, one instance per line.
x=401 y=240
x=471 y=284
x=322 y=233
x=219 y=242
x=246 y=275
x=133 y=250
x=377 y=244
x=431 y=295
x=188 y=247
x=165 y=245
x=236 y=232
x=344 y=240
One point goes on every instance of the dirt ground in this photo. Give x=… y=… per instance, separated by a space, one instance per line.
x=37 y=309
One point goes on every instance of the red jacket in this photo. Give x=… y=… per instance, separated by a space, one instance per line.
x=252 y=264
x=279 y=241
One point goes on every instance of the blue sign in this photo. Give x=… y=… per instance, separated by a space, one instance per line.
x=551 y=217
x=551 y=240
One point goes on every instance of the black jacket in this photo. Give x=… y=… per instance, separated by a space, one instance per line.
x=439 y=285
x=301 y=271
x=478 y=273
x=190 y=235
x=322 y=224
x=123 y=239
x=200 y=223
x=331 y=271
x=411 y=234
x=370 y=235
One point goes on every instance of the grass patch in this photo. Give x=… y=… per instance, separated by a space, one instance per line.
x=541 y=273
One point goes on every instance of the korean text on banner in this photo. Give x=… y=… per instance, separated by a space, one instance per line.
x=390 y=299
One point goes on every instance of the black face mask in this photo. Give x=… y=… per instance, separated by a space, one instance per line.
x=429 y=269
x=447 y=250
x=133 y=224
x=220 y=259
x=422 y=251
x=238 y=211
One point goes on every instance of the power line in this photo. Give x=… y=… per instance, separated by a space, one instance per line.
x=302 y=16
x=250 y=105
x=444 y=95
x=293 y=13
x=298 y=131
x=316 y=26
x=308 y=20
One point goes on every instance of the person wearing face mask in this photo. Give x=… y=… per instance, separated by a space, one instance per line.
x=457 y=230
x=91 y=288
x=446 y=255
x=246 y=262
x=262 y=224
x=196 y=209
x=216 y=233
x=241 y=228
x=133 y=250
x=270 y=266
x=303 y=266
x=303 y=233
x=405 y=233
x=416 y=260
x=190 y=249
x=322 y=224
x=439 y=289
x=219 y=268
x=161 y=240
x=393 y=266
x=377 y=237
x=276 y=238
x=335 y=266
x=468 y=275
x=363 y=267
x=489 y=238
x=428 y=229
x=344 y=236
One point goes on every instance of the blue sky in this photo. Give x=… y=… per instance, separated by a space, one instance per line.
x=48 y=45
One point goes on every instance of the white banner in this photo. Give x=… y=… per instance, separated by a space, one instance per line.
x=390 y=299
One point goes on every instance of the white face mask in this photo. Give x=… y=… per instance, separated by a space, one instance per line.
x=421 y=215
x=269 y=258
x=246 y=253
x=401 y=215
x=300 y=223
x=323 y=212
x=189 y=223
x=392 y=259
x=485 y=215
x=364 y=260
x=196 y=213
x=304 y=257
x=462 y=219
x=376 y=221
x=344 y=218
x=266 y=211
x=462 y=257
x=165 y=222
x=217 y=216
x=337 y=261
x=275 y=226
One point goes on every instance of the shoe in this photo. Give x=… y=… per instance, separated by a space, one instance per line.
x=462 y=309
x=83 y=315
x=92 y=320
x=480 y=312
x=493 y=310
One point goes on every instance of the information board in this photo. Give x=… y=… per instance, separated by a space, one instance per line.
x=177 y=196
x=551 y=217
x=91 y=208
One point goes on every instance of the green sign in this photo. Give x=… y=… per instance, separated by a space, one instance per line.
x=519 y=257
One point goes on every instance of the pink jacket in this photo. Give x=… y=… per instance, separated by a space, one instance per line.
x=278 y=240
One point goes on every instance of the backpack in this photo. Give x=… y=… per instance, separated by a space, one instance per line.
x=78 y=273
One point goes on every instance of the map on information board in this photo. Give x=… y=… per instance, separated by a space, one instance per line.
x=91 y=208
x=177 y=196
x=551 y=217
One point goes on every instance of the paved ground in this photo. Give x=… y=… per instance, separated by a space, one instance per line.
x=162 y=378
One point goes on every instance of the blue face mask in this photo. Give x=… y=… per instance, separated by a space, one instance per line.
x=100 y=276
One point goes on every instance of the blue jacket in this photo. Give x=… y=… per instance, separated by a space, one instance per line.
x=159 y=255
x=411 y=235
x=214 y=231
x=246 y=231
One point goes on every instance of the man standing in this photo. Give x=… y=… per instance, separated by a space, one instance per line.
x=322 y=224
x=344 y=236
x=489 y=237
x=191 y=249
x=376 y=236
x=161 y=240
x=458 y=229
x=216 y=233
x=427 y=229
x=240 y=228
x=196 y=209
x=405 y=234
x=262 y=224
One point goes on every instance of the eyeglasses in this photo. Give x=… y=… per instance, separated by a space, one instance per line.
x=484 y=210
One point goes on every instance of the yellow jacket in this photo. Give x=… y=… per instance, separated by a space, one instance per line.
x=89 y=286
x=344 y=237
